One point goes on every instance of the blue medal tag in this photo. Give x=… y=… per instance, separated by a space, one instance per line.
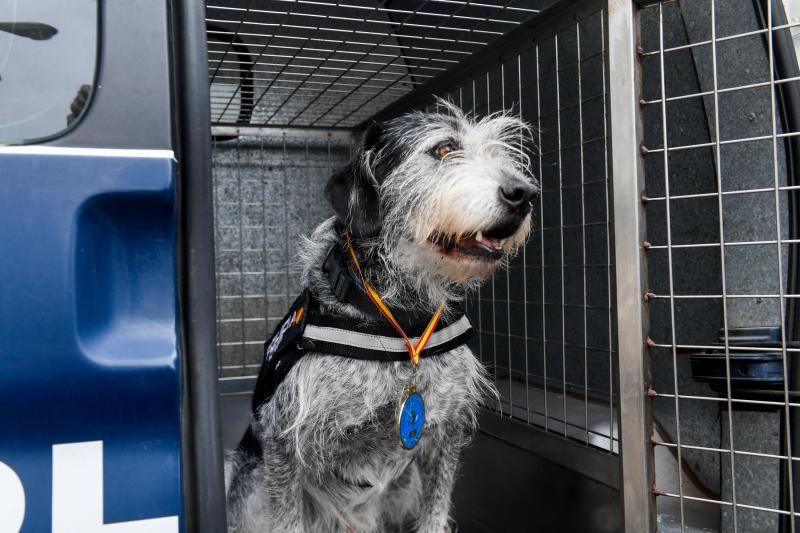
x=411 y=419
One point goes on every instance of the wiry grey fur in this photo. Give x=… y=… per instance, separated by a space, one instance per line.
x=331 y=458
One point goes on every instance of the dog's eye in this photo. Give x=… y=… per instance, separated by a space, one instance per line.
x=443 y=149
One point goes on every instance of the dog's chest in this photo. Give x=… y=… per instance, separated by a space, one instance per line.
x=358 y=401
x=364 y=399
x=440 y=380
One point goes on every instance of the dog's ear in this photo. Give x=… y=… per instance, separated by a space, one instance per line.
x=353 y=190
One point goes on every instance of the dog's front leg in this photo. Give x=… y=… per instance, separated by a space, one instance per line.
x=283 y=487
x=437 y=466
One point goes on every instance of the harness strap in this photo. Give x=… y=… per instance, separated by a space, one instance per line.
x=344 y=286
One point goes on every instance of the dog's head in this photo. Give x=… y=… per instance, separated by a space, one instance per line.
x=444 y=193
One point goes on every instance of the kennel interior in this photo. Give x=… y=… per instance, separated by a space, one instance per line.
x=643 y=341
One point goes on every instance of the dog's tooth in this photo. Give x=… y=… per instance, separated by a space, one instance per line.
x=479 y=236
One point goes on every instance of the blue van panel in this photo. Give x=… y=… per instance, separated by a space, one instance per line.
x=88 y=327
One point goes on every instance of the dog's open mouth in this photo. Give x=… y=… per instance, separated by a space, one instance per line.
x=486 y=245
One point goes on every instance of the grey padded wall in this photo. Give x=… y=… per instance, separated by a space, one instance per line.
x=268 y=191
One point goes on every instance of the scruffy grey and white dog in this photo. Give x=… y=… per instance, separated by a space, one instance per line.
x=434 y=203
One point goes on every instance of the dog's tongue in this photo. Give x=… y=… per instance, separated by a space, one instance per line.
x=481 y=246
x=491 y=243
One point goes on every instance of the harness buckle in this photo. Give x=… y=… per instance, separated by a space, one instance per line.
x=340 y=280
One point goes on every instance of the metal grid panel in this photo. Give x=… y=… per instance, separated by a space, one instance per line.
x=267 y=193
x=719 y=154
x=326 y=63
x=545 y=324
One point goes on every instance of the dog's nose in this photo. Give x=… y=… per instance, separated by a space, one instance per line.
x=516 y=194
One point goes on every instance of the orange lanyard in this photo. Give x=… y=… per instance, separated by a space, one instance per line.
x=413 y=350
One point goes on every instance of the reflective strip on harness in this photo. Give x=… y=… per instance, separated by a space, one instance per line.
x=367 y=341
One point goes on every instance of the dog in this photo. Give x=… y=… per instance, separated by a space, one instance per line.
x=429 y=207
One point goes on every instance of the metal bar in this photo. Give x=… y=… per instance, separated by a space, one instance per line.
x=670 y=271
x=396 y=10
x=726 y=503
x=693 y=347
x=561 y=245
x=728 y=450
x=713 y=144
x=742 y=401
x=606 y=134
x=757 y=85
x=718 y=244
x=722 y=39
x=782 y=303
x=629 y=227
x=202 y=466
x=320 y=48
x=524 y=260
x=723 y=280
x=215 y=210
x=351 y=74
x=541 y=236
x=264 y=233
x=494 y=292
x=286 y=230
x=722 y=296
x=241 y=247
x=294 y=132
x=508 y=270
x=480 y=313
x=723 y=193
x=583 y=239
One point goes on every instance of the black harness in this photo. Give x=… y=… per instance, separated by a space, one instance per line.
x=305 y=328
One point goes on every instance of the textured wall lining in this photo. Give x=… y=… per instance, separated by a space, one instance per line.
x=267 y=194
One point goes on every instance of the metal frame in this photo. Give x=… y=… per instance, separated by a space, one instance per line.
x=629 y=228
x=203 y=477
x=311 y=134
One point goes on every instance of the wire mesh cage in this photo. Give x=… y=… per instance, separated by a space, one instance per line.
x=719 y=144
x=710 y=249
x=655 y=309
x=325 y=63
x=544 y=325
